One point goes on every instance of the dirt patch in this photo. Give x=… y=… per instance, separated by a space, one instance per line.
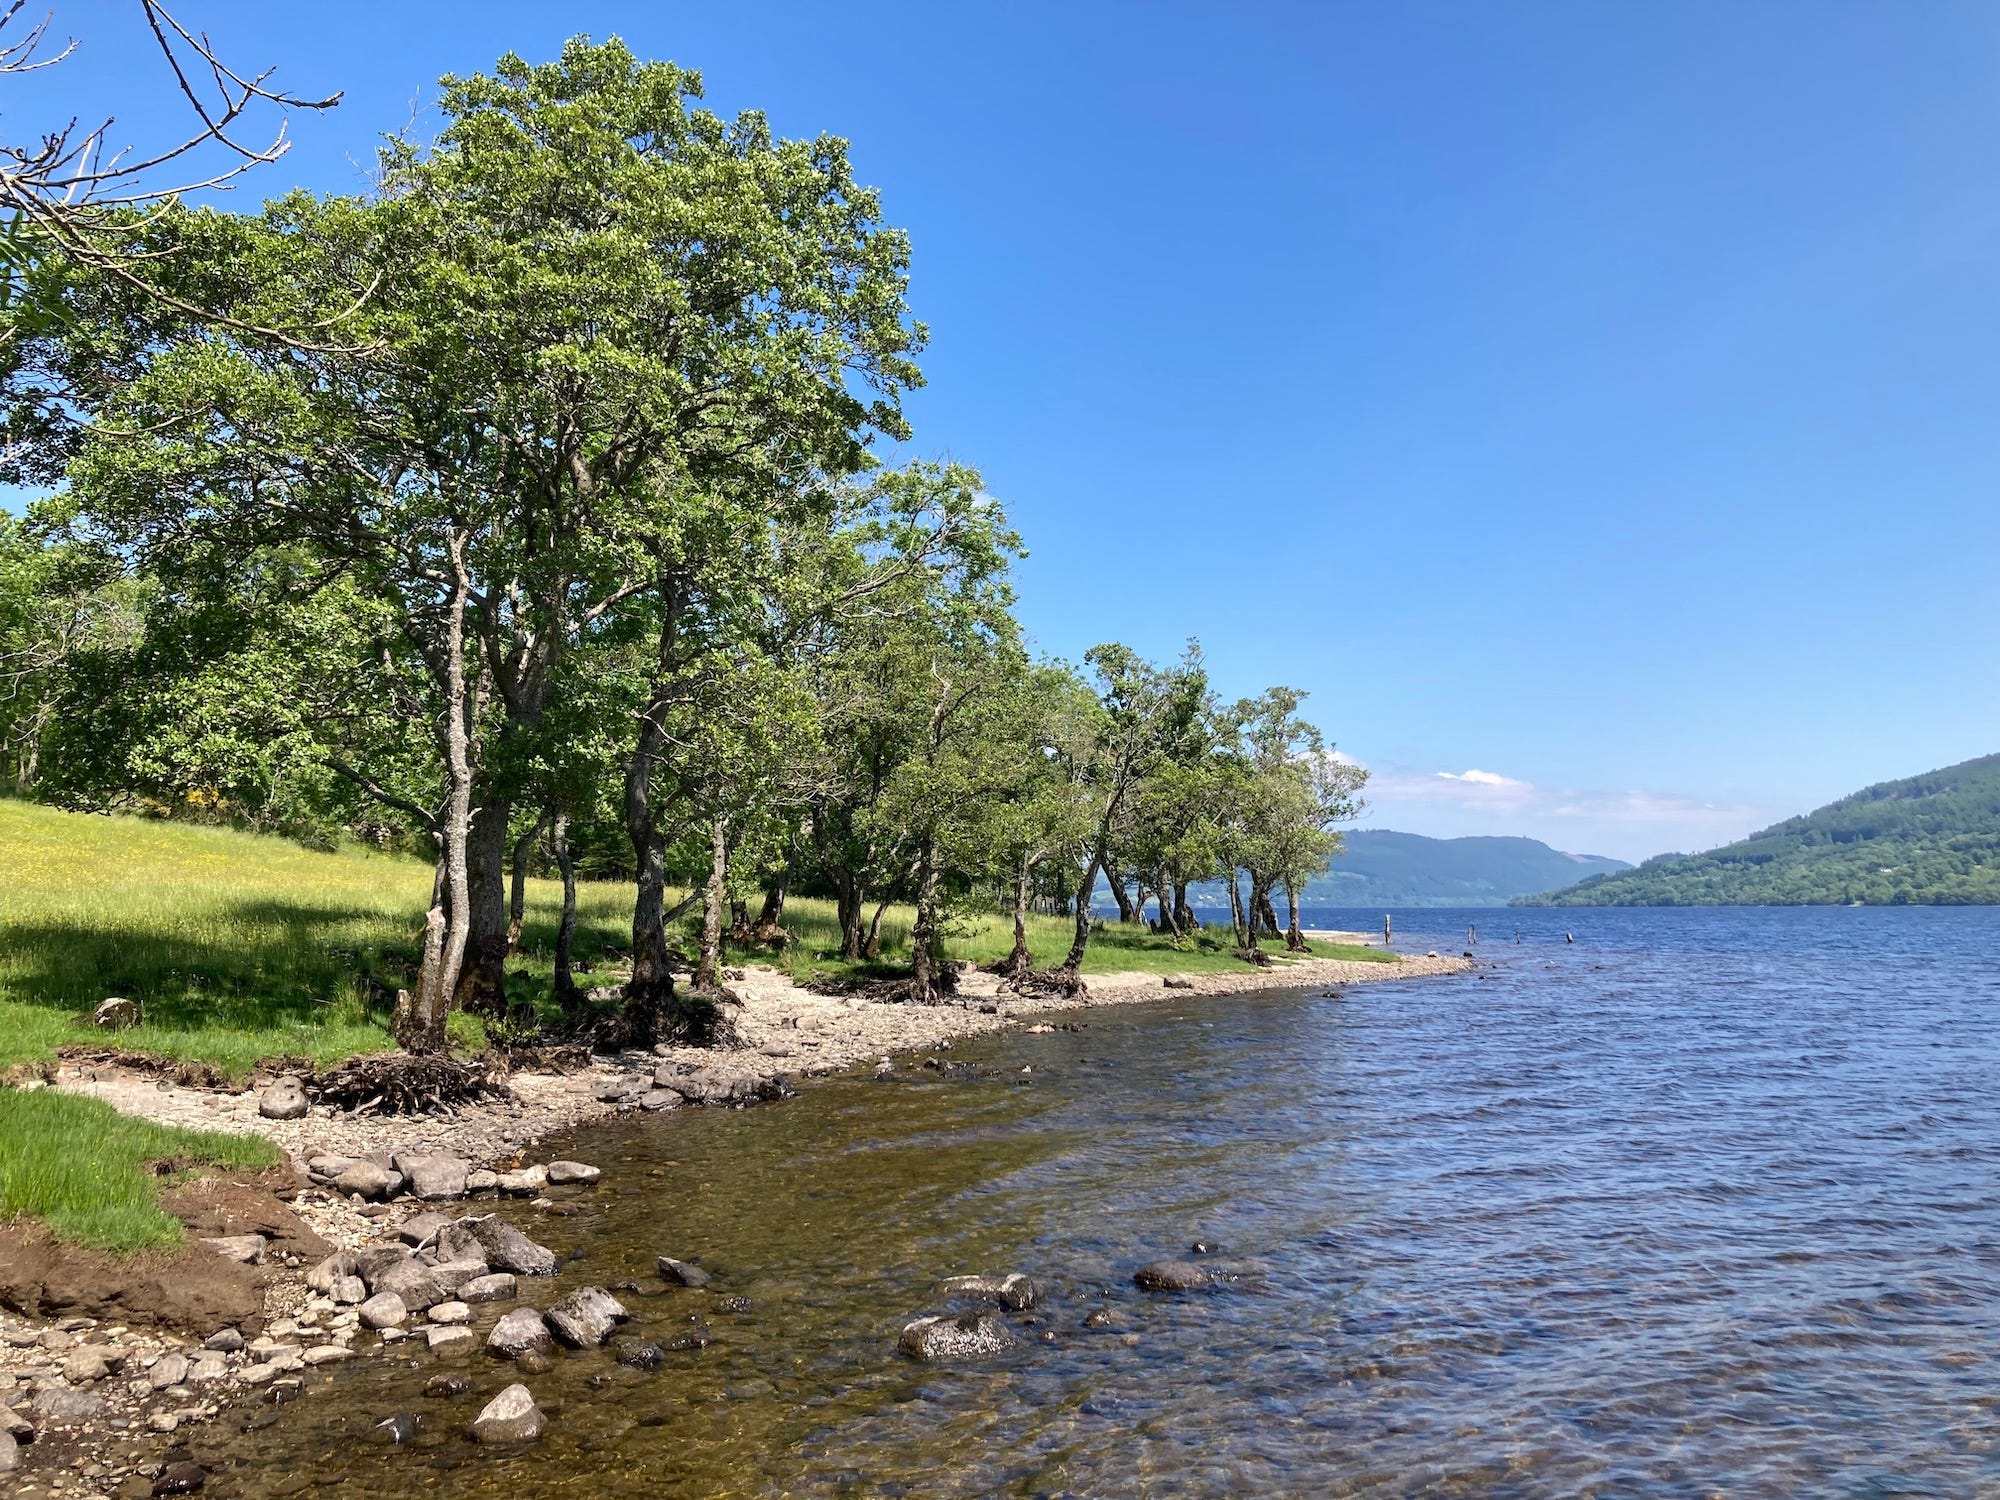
x=191 y=1289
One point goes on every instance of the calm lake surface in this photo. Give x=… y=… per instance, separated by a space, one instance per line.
x=1704 y=1202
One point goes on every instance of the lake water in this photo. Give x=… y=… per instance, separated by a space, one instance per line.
x=1702 y=1202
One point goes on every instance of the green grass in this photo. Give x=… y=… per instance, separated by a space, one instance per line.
x=983 y=937
x=93 y=1175
x=237 y=947
x=241 y=948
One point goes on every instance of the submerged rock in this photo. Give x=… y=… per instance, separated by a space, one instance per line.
x=510 y=1417
x=1172 y=1276
x=971 y=1337
x=586 y=1317
x=683 y=1273
x=1013 y=1291
x=497 y=1287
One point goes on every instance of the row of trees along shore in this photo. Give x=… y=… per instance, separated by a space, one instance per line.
x=524 y=510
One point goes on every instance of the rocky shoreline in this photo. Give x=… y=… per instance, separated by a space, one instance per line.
x=398 y=1210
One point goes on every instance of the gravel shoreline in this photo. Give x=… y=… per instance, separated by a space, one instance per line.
x=85 y=1389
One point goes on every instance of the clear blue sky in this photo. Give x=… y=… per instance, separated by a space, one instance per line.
x=1599 y=398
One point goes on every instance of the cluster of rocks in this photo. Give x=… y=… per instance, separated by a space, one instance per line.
x=730 y=1084
x=977 y=1328
x=381 y=1176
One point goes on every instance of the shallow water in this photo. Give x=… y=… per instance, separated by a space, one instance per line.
x=1703 y=1202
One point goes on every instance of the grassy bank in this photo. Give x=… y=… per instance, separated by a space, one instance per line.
x=241 y=948
x=93 y=1175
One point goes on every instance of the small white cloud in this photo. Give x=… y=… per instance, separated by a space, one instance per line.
x=1484 y=778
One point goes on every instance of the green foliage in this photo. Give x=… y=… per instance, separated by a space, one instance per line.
x=1929 y=840
x=90 y=1173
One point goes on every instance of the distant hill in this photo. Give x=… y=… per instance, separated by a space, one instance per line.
x=1930 y=840
x=1381 y=868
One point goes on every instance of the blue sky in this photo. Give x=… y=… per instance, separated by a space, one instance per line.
x=1592 y=406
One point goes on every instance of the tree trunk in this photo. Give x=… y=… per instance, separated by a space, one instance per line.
x=1245 y=933
x=517 y=898
x=871 y=946
x=568 y=996
x=420 y=1025
x=1294 y=939
x=770 y=925
x=1169 y=923
x=1020 y=961
x=1184 y=917
x=1115 y=878
x=1081 y=942
x=649 y=994
x=482 y=987
x=707 y=975
x=1261 y=913
x=847 y=903
x=923 y=936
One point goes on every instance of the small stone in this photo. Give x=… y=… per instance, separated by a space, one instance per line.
x=244 y=1249
x=506 y=1248
x=350 y=1291
x=326 y=1354
x=10 y=1453
x=164 y=1421
x=510 y=1417
x=206 y=1367
x=224 y=1341
x=171 y=1370
x=285 y=1099
x=447 y=1387
x=86 y=1366
x=55 y=1340
x=481 y=1181
x=182 y=1478
x=561 y=1173
x=647 y=1357
x=115 y=1014
x=384 y=1310
x=683 y=1273
x=60 y=1404
x=449 y=1313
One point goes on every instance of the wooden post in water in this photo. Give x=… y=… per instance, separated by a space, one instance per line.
x=1386 y=935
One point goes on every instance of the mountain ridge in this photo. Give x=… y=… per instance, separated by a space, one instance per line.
x=1932 y=839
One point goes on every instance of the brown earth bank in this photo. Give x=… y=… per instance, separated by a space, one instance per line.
x=85 y=1405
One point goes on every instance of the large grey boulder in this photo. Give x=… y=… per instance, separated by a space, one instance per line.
x=1013 y=1291
x=115 y=1014
x=434 y=1178
x=1172 y=1276
x=510 y=1417
x=285 y=1099
x=366 y=1179
x=60 y=1404
x=497 y=1287
x=384 y=1310
x=971 y=1337
x=329 y=1273
x=524 y=1183
x=519 y=1332
x=423 y=1285
x=586 y=1317
x=171 y=1370
x=504 y=1246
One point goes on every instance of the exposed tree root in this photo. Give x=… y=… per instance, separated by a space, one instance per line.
x=403 y=1083
x=1255 y=956
x=188 y=1075
x=1061 y=981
